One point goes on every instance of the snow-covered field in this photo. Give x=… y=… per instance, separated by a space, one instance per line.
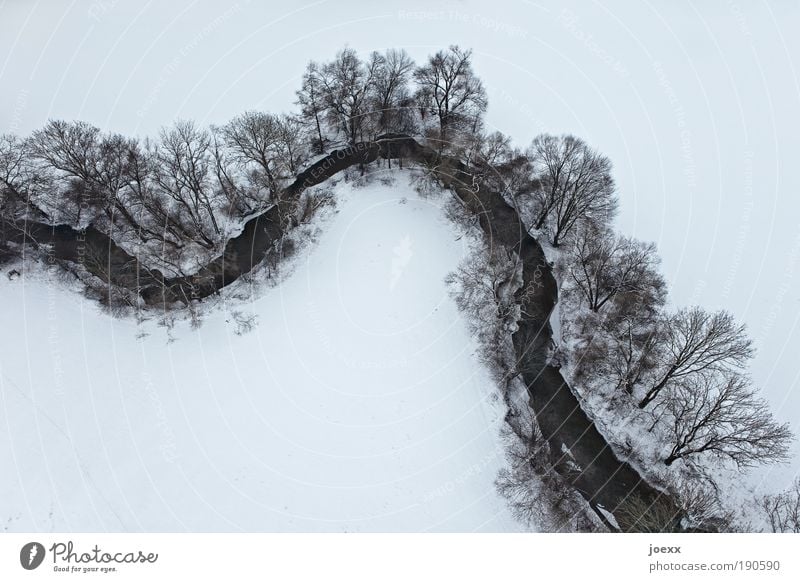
x=355 y=404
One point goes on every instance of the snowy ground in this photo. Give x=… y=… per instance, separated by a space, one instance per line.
x=355 y=404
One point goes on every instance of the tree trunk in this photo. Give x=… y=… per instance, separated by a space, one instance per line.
x=319 y=133
x=653 y=392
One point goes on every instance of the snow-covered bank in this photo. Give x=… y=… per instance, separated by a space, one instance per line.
x=355 y=404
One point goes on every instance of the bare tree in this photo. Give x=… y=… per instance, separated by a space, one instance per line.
x=721 y=414
x=268 y=149
x=638 y=515
x=485 y=153
x=617 y=278
x=390 y=90
x=495 y=149
x=347 y=84
x=255 y=138
x=574 y=185
x=536 y=493
x=70 y=147
x=690 y=508
x=183 y=174
x=607 y=267
x=449 y=89
x=22 y=182
x=153 y=209
x=633 y=351
x=70 y=150
x=16 y=173
x=273 y=143
x=704 y=512
x=695 y=342
x=551 y=158
x=19 y=184
x=513 y=170
x=311 y=99
x=241 y=198
x=783 y=509
x=483 y=288
x=291 y=143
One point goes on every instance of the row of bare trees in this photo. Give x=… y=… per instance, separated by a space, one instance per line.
x=684 y=370
x=187 y=186
x=174 y=200
x=687 y=368
x=350 y=99
x=560 y=186
x=176 y=195
x=179 y=196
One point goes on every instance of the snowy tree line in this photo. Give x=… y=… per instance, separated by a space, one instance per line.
x=681 y=373
x=686 y=367
x=174 y=200
x=683 y=370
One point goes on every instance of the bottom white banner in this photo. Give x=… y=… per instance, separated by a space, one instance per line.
x=372 y=557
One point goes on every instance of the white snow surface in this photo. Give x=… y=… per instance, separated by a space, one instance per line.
x=356 y=403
